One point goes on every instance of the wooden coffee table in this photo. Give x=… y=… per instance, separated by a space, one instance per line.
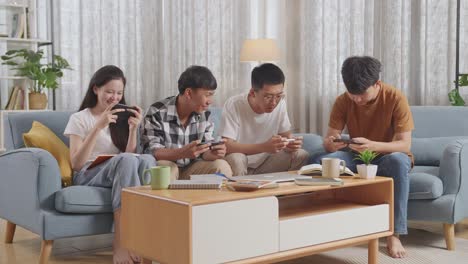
x=264 y=226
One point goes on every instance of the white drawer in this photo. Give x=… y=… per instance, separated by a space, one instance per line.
x=235 y=230
x=315 y=229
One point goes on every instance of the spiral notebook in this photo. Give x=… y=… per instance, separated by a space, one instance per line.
x=196 y=184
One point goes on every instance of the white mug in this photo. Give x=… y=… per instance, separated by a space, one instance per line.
x=331 y=167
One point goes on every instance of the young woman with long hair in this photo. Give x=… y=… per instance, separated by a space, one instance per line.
x=90 y=136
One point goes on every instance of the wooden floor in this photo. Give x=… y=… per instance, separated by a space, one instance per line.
x=97 y=249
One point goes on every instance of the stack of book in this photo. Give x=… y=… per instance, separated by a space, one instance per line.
x=18 y=25
x=16 y=99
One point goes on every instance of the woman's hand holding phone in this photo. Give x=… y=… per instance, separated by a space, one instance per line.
x=135 y=120
x=108 y=116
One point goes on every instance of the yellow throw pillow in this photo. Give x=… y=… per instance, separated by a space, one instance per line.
x=42 y=137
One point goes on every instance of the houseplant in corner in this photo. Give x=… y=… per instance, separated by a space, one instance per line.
x=27 y=63
x=366 y=170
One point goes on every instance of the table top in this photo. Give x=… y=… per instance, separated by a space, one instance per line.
x=209 y=196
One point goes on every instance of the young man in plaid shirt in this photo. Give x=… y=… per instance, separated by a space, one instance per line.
x=173 y=128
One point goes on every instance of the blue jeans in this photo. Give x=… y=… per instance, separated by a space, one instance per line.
x=123 y=170
x=395 y=165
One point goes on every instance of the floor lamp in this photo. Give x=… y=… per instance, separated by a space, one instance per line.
x=259 y=50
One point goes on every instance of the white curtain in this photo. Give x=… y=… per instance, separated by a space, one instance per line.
x=153 y=41
x=91 y=34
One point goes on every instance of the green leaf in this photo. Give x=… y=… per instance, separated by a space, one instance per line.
x=463 y=80
x=11 y=63
x=455 y=98
x=366 y=156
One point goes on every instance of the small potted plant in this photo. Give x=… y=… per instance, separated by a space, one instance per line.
x=28 y=63
x=367 y=170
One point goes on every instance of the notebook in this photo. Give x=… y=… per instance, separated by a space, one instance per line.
x=195 y=184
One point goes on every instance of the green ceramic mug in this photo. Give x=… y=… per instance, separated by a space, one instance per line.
x=160 y=177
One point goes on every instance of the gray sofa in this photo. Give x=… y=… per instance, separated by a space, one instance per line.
x=31 y=195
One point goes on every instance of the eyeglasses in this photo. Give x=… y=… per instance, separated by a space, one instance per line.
x=271 y=97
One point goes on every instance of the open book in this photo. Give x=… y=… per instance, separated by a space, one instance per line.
x=101 y=158
x=317 y=169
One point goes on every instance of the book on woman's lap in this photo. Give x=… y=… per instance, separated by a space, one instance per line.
x=316 y=169
x=104 y=157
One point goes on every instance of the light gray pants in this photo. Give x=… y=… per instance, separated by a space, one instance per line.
x=278 y=162
x=123 y=170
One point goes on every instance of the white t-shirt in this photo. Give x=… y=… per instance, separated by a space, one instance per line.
x=240 y=123
x=81 y=124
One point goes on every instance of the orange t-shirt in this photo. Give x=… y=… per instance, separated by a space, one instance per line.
x=379 y=120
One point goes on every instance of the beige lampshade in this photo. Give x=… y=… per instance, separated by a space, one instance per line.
x=259 y=50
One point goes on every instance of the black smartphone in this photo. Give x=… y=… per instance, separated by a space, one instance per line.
x=347 y=141
x=124 y=115
x=212 y=142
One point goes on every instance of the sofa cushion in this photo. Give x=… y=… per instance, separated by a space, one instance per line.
x=40 y=136
x=429 y=151
x=83 y=199
x=312 y=143
x=17 y=123
x=215 y=117
x=424 y=183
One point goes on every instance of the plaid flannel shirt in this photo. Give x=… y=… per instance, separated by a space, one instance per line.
x=161 y=128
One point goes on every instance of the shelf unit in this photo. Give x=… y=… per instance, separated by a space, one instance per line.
x=27 y=10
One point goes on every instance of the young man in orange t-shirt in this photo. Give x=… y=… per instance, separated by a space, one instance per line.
x=378 y=117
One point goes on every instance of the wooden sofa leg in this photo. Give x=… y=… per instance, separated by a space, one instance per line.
x=46 y=248
x=449 y=233
x=10 y=232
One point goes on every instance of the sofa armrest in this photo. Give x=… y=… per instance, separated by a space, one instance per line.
x=454 y=167
x=29 y=179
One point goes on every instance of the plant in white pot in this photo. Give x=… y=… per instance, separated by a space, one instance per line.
x=28 y=63
x=367 y=170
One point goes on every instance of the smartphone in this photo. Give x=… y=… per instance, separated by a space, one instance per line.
x=347 y=141
x=289 y=139
x=212 y=142
x=123 y=115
